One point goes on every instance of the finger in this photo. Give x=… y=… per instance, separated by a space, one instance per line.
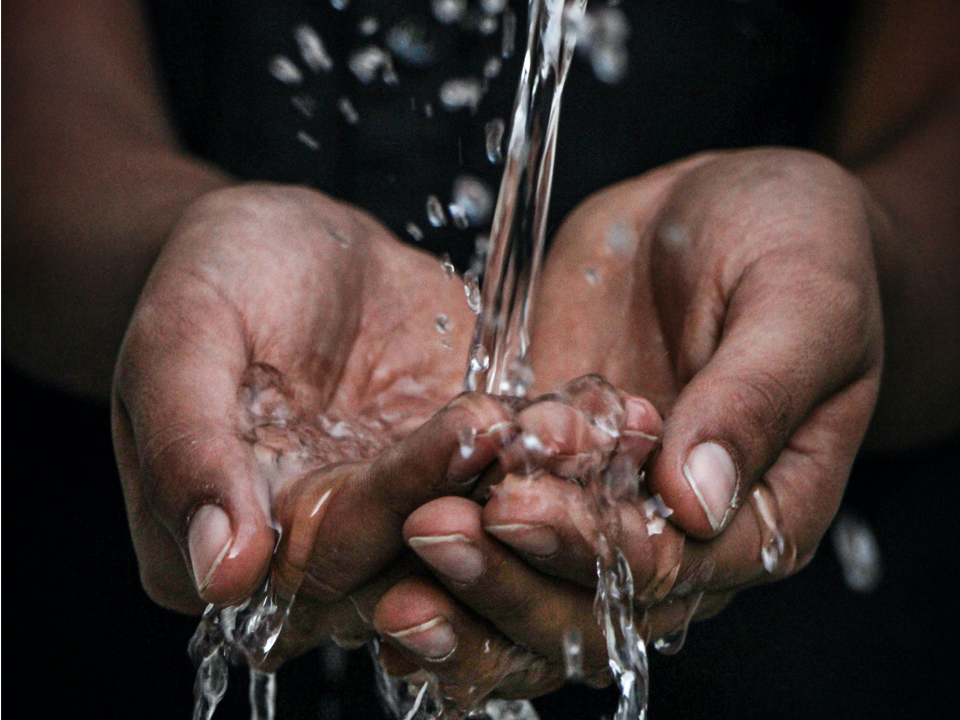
x=193 y=478
x=779 y=356
x=554 y=525
x=423 y=626
x=531 y=609
x=325 y=550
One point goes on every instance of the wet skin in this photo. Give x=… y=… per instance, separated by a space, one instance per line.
x=759 y=333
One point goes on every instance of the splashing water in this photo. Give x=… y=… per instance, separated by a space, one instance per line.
x=242 y=633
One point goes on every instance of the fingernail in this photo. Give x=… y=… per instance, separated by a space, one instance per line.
x=451 y=555
x=208 y=539
x=434 y=639
x=713 y=479
x=539 y=540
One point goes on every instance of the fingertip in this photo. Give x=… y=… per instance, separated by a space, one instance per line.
x=228 y=564
x=700 y=483
x=443 y=516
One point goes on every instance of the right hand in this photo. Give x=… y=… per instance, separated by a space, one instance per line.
x=282 y=353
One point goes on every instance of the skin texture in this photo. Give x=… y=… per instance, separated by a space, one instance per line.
x=273 y=312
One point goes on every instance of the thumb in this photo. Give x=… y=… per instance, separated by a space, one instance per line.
x=791 y=339
x=197 y=502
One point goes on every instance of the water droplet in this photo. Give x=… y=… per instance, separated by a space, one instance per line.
x=494 y=131
x=312 y=50
x=620 y=239
x=509 y=27
x=473 y=200
x=306 y=104
x=428 y=110
x=592 y=275
x=532 y=443
x=415 y=232
x=468 y=440
x=772 y=544
x=492 y=67
x=858 y=551
x=367 y=62
x=674 y=236
x=656 y=512
x=479 y=359
x=411 y=43
x=488 y=24
x=673 y=642
x=368 y=26
x=460 y=93
x=448 y=269
x=348 y=111
x=308 y=140
x=471 y=286
x=435 y=213
x=493 y=7
x=601 y=36
x=339 y=4
x=573 y=653
x=283 y=69
x=459 y=216
x=448 y=12
x=442 y=323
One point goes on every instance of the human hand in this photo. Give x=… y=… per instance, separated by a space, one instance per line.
x=737 y=291
x=282 y=354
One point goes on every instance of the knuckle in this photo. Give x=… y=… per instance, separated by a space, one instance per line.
x=764 y=404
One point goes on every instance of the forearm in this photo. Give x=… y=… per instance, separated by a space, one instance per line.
x=93 y=182
x=918 y=184
x=898 y=129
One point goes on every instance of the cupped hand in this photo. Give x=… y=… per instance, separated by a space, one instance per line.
x=736 y=291
x=277 y=382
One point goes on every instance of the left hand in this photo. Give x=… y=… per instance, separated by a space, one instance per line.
x=738 y=292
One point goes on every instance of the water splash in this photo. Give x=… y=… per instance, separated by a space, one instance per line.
x=237 y=634
x=435 y=213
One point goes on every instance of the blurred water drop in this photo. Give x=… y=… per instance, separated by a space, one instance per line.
x=428 y=110
x=312 y=49
x=471 y=287
x=348 y=111
x=493 y=7
x=368 y=26
x=283 y=69
x=435 y=213
x=592 y=275
x=448 y=12
x=601 y=36
x=468 y=440
x=306 y=104
x=488 y=24
x=308 y=140
x=410 y=42
x=509 y=26
x=339 y=4
x=460 y=93
x=858 y=551
x=573 y=653
x=472 y=199
x=366 y=63
x=448 y=269
x=492 y=68
x=494 y=132
x=415 y=232
x=656 y=512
